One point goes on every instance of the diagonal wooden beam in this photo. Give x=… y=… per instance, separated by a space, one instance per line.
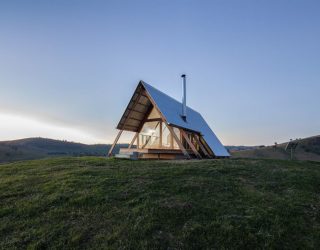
x=201 y=146
x=114 y=143
x=133 y=139
x=206 y=147
x=185 y=136
x=184 y=151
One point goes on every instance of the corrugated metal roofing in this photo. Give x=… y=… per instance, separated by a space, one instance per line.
x=171 y=109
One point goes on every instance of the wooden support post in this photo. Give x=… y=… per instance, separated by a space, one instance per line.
x=203 y=142
x=171 y=140
x=160 y=138
x=190 y=144
x=138 y=141
x=201 y=146
x=184 y=151
x=133 y=139
x=114 y=143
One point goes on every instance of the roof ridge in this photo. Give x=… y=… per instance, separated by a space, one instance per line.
x=144 y=83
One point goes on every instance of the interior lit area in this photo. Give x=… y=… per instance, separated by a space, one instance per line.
x=155 y=134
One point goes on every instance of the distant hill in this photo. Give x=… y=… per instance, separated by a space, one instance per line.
x=239 y=148
x=307 y=149
x=36 y=148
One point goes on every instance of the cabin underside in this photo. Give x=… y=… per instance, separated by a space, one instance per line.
x=153 y=137
x=153 y=154
x=174 y=144
x=158 y=140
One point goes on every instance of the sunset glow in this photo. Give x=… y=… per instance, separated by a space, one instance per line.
x=16 y=127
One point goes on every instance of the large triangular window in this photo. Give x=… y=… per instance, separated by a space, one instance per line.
x=155 y=134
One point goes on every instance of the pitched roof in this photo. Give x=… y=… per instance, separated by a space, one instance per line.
x=171 y=110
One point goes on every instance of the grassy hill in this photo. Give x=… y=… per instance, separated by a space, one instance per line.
x=308 y=149
x=92 y=202
x=36 y=148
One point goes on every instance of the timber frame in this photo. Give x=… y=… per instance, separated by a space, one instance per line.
x=184 y=143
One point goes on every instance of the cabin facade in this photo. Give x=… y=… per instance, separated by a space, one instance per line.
x=162 y=132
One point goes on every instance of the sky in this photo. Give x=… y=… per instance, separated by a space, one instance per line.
x=69 y=68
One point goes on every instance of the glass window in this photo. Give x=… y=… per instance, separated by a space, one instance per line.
x=177 y=132
x=166 y=136
x=149 y=136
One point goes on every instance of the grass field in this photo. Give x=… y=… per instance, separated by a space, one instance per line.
x=92 y=202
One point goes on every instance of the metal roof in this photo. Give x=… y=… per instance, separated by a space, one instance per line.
x=171 y=110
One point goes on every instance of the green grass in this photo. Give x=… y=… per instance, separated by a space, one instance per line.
x=96 y=203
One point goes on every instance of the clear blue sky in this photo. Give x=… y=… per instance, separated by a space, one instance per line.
x=68 y=68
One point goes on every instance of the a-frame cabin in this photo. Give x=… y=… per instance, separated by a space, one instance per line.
x=161 y=132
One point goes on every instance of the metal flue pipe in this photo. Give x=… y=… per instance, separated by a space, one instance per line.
x=184 y=97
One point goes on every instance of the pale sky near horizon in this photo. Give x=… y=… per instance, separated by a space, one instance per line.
x=69 y=68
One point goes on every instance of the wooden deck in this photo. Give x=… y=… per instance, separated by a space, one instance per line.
x=153 y=153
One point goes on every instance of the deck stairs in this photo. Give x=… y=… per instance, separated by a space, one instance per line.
x=128 y=155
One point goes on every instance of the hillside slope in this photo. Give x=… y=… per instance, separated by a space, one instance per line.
x=89 y=202
x=36 y=148
x=307 y=149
